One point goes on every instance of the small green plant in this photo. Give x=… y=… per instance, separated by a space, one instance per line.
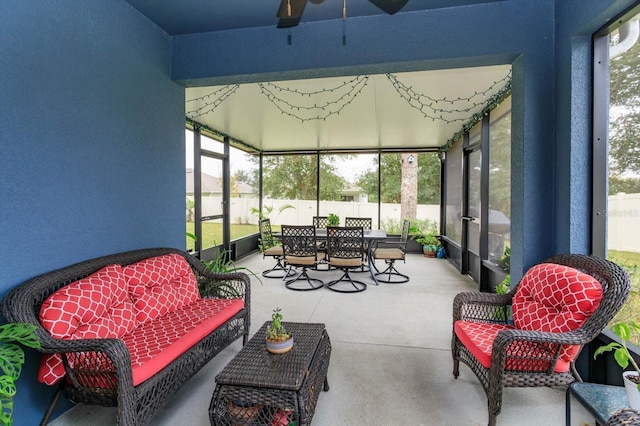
x=504 y=286
x=333 y=220
x=11 y=362
x=427 y=239
x=276 y=332
x=222 y=263
x=621 y=352
x=505 y=261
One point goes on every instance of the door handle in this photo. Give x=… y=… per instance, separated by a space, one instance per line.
x=469 y=218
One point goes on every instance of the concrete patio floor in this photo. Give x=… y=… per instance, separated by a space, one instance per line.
x=390 y=362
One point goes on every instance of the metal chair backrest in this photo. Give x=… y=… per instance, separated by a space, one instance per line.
x=345 y=242
x=321 y=222
x=364 y=222
x=299 y=241
x=405 y=233
x=266 y=236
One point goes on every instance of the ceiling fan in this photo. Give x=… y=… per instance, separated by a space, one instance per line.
x=290 y=11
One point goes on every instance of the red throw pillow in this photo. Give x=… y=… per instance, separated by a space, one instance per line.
x=159 y=285
x=97 y=306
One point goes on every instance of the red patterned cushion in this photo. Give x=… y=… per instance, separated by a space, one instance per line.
x=555 y=298
x=97 y=306
x=478 y=337
x=156 y=343
x=159 y=285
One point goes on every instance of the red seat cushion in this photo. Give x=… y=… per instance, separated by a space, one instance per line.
x=155 y=344
x=478 y=337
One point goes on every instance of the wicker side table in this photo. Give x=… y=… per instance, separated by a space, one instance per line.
x=260 y=388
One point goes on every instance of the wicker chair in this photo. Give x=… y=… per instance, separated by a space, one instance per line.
x=624 y=417
x=530 y=358
x=271 y=247
x=301 y=251
x=390 y=252
x=346 y=251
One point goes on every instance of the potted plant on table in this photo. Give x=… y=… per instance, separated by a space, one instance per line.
x=333 y=220
x=279 y=340
x=623 y=357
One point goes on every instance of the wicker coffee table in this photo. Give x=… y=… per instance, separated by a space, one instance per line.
x=260 y=388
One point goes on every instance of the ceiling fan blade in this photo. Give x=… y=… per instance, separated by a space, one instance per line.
x=288 y=20
x=390 y=6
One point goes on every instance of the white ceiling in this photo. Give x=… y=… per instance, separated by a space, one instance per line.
x=356 y=112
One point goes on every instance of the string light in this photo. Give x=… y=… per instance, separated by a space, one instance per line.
x=316 y=105
x=443 y=109
x=323 y=103
x=494 y=101
x=218 y=96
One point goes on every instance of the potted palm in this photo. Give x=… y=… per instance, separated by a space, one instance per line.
x=623 y=357
x=279 y=340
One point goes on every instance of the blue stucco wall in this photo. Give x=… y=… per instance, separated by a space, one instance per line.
x=91 y=144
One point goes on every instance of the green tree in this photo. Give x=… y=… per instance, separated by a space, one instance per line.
x=624 y=137
x=248 y=177
x=294 y=177
x=628 y=186
x=391 y=173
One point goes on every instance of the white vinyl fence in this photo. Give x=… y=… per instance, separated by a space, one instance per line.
x=623 y=216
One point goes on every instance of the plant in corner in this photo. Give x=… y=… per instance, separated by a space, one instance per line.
x=11 y=362
x=430 y=243
x=623 y=357
x=278 y=339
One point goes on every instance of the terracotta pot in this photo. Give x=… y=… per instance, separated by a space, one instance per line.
x=428 y=251
x=279 y=347
x=633 y=394
x=243 y=410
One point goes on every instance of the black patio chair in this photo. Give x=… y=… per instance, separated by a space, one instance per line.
x=271 y=247
x=301 y=251
x=320 y=222
x=346 y=251
x=390 y=252
x=365 y=223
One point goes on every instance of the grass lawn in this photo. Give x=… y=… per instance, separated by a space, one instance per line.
x=212 y=233
x=630 y=261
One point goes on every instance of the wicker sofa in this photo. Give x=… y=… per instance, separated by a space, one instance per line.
x=129 y=329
